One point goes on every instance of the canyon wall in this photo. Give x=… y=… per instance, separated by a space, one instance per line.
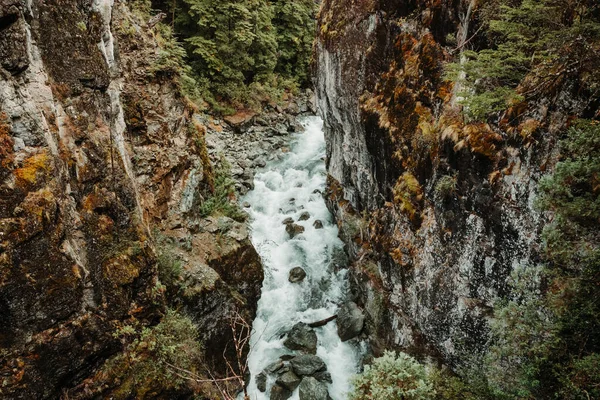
x=436 y=211
x=102 y=158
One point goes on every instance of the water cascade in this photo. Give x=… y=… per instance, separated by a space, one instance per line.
x=291 y=188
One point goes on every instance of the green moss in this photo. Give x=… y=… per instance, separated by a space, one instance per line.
x=445 y=186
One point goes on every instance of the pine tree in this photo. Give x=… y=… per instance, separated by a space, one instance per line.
x=535 y=46
x=295 y=26
x=231 y=43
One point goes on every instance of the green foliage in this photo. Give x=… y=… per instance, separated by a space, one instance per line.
x=393 y=377
x=295 y=27
x=546 y=336
x=445 y=186
x=169 y=265
x=171 y=63
x=524 y=334
x=247 y=51
x=155 y=359
x=230 y=42
x=571 y=192
x=450 y=387
x=582 y=380
x=537 y=39
x=222 y=200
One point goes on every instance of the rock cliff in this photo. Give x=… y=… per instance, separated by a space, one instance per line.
x=436 y=211
x=102 y=158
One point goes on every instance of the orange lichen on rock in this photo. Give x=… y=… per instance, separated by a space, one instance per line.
x=408 y=195
x=528 y=128
x=6 y=144
x=34 y=169
x=121 y=269
x=481 y=139
x=403 y=99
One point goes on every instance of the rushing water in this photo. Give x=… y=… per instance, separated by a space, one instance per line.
x=284 y=189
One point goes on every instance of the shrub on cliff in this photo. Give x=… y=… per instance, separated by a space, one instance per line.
x=157 y=359
x=392 y=377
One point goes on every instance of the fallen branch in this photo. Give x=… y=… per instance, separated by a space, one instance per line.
x=322 y=322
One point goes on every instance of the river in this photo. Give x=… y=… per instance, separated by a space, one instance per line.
x=284 y=189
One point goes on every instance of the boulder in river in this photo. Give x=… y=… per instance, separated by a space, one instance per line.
x=307 y=364
x=305 y=216
x=350 y=321
x=297 y=275
x=261 y=381
x=303 y=338
x=323 y=376
x=288 y=221
x=294 y=230
x=274 y=367
x=279 y=393
x=312 y=389
x=289 y=380
x=318 y=224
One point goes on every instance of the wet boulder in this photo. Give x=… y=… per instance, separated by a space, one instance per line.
x=350 y=321
x=307 y=364
x=294 y=230
x=261 y=381
x=312 y=389
x=305 y=216
x=318 y=224
x=280 y=393
x=323 y=376
x=274 y=367
x=288 y=380
x=288 y=221
x=297 y=275
x=303 y=338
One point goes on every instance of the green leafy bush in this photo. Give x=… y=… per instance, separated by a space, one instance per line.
x=393 y=377
x=157 y=359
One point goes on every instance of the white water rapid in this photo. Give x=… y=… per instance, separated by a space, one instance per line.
x=284 y=189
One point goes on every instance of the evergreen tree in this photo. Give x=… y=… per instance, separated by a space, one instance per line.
x=295 y=26
x=535 y=47
x=231 y=42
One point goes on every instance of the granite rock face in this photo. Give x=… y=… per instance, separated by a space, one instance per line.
x=437 y=212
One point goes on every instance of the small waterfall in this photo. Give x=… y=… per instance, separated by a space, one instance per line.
x=287 y=189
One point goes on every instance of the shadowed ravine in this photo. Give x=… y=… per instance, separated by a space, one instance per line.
x=284 y=189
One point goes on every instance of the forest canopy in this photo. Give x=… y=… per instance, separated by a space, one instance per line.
x=246 y=51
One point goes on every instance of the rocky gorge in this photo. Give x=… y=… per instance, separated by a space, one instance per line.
x=156 y=244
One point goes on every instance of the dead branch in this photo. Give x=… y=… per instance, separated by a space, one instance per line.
x=322 y=322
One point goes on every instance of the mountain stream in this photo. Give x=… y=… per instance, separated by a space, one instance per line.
x=285 y=189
